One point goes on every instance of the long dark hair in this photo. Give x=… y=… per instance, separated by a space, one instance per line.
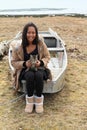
x=24 y=35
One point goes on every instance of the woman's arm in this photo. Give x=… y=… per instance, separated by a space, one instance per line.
x=16 y=61
x=46 y=55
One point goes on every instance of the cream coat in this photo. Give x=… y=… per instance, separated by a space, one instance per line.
x=18 y=59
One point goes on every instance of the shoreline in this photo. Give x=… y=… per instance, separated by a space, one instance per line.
x=44 y=15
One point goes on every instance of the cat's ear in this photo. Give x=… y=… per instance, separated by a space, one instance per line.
x=37 y=56
x=31 y=56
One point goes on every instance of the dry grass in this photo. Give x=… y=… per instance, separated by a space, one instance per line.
x=66 y=110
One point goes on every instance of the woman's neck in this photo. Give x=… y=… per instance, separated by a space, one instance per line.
x=30 y=48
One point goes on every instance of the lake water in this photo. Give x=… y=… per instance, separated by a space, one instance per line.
x=44 y=11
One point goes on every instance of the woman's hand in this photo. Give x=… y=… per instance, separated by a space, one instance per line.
x=37 y=63
x=28 y=64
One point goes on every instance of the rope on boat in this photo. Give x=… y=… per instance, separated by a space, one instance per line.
x=12 y=101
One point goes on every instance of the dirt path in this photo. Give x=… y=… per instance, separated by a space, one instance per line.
x=66 y=110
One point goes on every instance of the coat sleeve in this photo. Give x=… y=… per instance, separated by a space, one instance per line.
x=46 y=55
x=16 y=61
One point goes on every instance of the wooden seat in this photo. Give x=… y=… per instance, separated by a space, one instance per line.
x=56 y=49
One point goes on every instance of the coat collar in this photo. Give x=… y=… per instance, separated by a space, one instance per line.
x=21 y=52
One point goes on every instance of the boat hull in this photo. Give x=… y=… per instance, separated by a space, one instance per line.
x=57 y=64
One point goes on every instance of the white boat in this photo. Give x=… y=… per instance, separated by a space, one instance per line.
x=57 y=64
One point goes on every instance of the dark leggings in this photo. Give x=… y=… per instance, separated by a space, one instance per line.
x=34 y=82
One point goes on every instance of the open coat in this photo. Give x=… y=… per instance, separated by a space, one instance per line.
x=18 y=59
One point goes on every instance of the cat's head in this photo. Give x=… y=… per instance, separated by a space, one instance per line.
x=33 y=57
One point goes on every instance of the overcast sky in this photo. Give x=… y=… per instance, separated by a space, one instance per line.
x=18 y=4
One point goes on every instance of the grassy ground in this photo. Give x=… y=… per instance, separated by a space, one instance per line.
x=66 y=110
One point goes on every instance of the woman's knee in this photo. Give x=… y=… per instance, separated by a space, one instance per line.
x=38 y=75
x=29 y=75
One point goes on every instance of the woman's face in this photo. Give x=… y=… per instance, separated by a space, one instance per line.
x=31 y=34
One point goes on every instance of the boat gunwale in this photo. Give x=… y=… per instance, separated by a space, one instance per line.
x=54 y=49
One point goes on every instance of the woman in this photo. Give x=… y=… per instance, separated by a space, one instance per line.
x=31 y=45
